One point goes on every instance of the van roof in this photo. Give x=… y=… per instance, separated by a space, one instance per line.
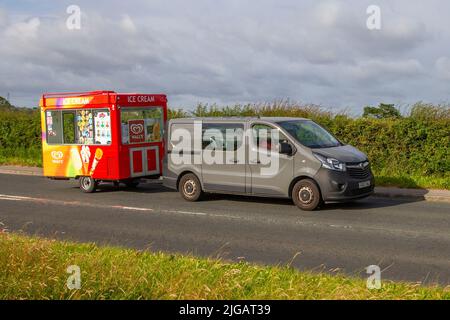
x=243 y=119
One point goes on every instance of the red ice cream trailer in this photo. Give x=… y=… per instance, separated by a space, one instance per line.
x=103 y=136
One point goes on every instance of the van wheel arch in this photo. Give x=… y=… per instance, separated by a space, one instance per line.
x=297 y=179
x=183 y=174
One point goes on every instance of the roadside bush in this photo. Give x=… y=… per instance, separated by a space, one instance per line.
x=20 y=137
x=417 y=144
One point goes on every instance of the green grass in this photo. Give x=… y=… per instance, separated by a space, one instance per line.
x=21 y=156
x=420 y=182
x=33 y=158
x=33 y=268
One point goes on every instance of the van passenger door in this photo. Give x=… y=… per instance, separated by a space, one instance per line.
x=270 y=172
x=223 y=154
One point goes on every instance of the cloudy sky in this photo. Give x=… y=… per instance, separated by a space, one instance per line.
x=229 y=51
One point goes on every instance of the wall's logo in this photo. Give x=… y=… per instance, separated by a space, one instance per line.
x=57 y=157
x=136 y=131
x=137 y=128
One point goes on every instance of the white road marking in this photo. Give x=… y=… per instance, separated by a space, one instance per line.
x=9 y=197
x=132 y=208
x=187 y=212
x=76 y=203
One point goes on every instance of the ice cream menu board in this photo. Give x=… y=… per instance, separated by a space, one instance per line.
x=102 y=122
x=85 y=126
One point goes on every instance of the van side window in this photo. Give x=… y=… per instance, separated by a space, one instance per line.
x=261 y=135
x=222 y=136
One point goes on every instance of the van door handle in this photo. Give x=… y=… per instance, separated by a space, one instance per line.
x=233 y=160
x=255 y=162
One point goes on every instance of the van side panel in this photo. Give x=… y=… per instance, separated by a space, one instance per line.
x=180 y=153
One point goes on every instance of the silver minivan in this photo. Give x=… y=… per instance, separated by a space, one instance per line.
x=270 y=157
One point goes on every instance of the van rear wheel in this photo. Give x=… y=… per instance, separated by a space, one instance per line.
x=88 y=184
x=306 y=195
x=190 y=187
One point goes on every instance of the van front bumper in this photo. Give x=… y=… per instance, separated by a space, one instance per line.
x=337 y=186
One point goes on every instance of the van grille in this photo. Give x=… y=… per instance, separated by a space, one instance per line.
x=355 y=170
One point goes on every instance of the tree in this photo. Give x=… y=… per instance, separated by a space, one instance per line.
x=383 y=111
x=4 y=104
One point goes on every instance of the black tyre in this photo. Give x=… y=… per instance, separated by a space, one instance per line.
x=190 y=187
x=306 y=195
x=88 y=184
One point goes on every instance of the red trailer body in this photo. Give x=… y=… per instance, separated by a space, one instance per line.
x=103 y=135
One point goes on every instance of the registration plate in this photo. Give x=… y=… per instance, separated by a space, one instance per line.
x=364 y=184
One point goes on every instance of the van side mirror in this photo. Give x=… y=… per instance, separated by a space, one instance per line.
x=286 y=148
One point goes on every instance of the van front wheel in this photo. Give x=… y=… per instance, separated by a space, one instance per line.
x=190 y=187
x=306 y=195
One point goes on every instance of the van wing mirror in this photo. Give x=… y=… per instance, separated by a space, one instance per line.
x=286 y=148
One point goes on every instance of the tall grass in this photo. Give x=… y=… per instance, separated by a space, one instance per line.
x=33 y=268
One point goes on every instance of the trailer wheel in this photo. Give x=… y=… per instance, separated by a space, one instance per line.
x=132 y=183
x=88 y=184
x=190 y=187
x=306 y=195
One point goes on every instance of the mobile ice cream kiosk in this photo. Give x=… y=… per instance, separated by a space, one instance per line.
x=102 y=136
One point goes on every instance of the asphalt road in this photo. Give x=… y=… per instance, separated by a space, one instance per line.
x=408 y=240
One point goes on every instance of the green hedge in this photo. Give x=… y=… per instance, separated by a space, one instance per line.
x=20 y=137
x=416 y=145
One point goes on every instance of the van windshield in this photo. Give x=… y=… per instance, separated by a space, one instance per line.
x=309 y=133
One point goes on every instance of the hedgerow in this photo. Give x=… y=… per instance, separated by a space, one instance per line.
x=417 y=144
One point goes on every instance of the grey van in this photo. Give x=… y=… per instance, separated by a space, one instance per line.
x=312 y=166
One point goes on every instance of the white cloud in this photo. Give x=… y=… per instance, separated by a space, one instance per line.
x=23 y=30
x=3 y=18
x=328 y=13
x=127 y=24
x=443 y=67
x=230 y=51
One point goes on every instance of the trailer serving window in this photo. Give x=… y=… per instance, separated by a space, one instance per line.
x=79 y=127
x=141 y=125
x=54 y=127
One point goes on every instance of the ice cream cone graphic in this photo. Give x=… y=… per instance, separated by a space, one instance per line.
x=85 y=157
x=98 y=157
x=76 y=159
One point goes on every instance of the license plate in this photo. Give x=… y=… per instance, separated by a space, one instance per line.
x=364 y=184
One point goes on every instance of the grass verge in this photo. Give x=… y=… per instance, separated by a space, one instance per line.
x=415 y=182
x=34 y=159
x=34 y=268
x=31 y=157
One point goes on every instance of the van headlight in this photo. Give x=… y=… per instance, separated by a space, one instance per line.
x=330 y=163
